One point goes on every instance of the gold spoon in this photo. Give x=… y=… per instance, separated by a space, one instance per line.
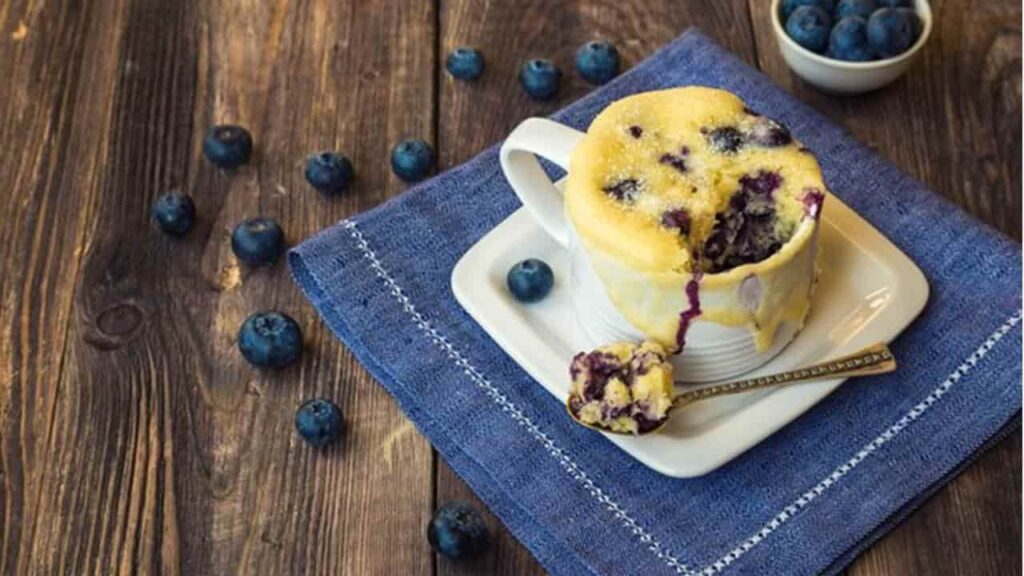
x=875 y=359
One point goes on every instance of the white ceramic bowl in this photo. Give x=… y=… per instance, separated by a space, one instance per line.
x=843 y=77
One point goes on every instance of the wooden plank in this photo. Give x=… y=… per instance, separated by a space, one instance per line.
x=169 y=453
x=473 y=116
x=55 y=101
x=952 y=122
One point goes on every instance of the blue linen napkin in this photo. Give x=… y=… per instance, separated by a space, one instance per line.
x=805 y=501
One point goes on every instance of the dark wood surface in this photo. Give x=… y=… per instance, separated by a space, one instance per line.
x=132 y=436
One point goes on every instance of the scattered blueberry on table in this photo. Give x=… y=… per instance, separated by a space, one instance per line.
x=175 y=213
x=540 y=78
x=809 y=26
x=270 y=340
x=849 y=40
x=530 y=280
x=412 y=160
x=258 y=241
x=457 y=531
x=597 y=61
x=329 y=172
x=890 y=32
x=227 y=146
x=320 y=422
x=790 y=6
x=465 y=63
x=862 y=8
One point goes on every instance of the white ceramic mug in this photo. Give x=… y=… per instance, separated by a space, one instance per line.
x=713 y=351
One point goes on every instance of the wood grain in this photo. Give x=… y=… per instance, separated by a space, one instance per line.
x=133 y=439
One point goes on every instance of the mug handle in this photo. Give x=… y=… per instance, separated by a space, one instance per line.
x=555 y=142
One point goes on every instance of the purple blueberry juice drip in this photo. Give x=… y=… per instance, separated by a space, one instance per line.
x=636 y=131
x=745 y=232
x=687 y=316
x=677 y=219
x=813 y=199
x=623 y=190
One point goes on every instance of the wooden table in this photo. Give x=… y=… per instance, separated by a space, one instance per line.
x=134 y=438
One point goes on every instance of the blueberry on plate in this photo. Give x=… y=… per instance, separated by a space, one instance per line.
x=465 y=63
x=320 y=422
x=270 y=340
x=540 y=78
x=329 y=172
x=790 y=6
x=890 y=32
x=457 y=531
x=175 y=213
x=530 y=280
x=895 y=3
x=849 y=40
x=809 y=27
x=258 y=241
x=862 y=8
x=597 y=61
x=412 y=160
x=227 y=146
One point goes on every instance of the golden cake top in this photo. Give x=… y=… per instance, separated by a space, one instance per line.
x=689 y=180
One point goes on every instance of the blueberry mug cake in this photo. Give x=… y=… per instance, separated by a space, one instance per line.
x=694 y=208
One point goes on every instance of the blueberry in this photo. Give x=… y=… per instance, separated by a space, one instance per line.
x=849 y=40
x=809 y=26
x=258 y=241
x=329 y=172
x=530 y=280
x=457 y=531
x=227 y=146
x=890 y=32
x=725 y=139
x=597 y=61
x=319 y=421
x=862 y=8
x=768 y=133
x=270 y=340
x=912 y=16
x=174 y=213
x=678 y=219
x=540 y=78
x=790 y=6
x=412 y=160
x=894 y=3
x=465 y=63
x=623 y=190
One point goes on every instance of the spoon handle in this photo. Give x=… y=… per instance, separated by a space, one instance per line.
x=875 y=359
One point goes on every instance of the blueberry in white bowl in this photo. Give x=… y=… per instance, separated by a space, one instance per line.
x=849 y=40
x=890 y=32
x=862 y=8
x=809 y=26
x=790 y=6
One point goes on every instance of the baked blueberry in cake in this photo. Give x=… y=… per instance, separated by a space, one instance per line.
x=623 y=387
x=692 y=191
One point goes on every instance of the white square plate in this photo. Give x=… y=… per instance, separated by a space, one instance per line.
x=869 y=291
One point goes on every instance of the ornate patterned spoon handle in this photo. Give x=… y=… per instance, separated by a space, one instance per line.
x=875 y=359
